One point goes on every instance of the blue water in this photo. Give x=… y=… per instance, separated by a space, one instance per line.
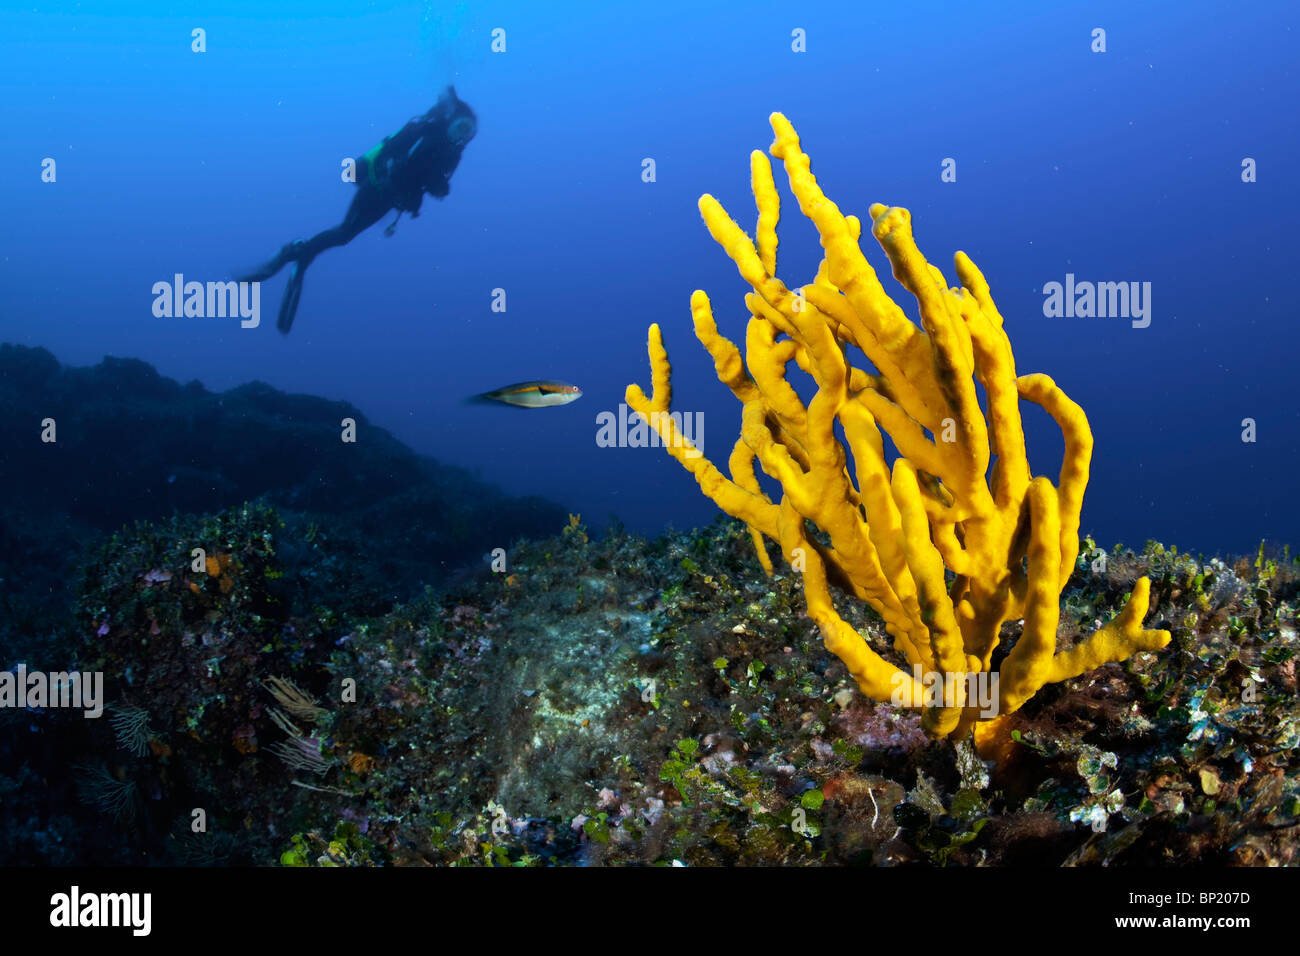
x=1115 y=166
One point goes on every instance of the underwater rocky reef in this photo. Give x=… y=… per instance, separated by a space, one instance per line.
x=133 y=445
x=294 y=676
x=624 y=701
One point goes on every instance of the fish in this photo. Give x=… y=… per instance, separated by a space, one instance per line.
x=532 y=394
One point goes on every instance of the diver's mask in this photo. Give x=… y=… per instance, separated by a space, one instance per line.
x=462 y=130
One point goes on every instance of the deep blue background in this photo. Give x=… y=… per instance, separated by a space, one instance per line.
x=1115 y=166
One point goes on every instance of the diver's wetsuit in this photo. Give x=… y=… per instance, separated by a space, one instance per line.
x=418 y=158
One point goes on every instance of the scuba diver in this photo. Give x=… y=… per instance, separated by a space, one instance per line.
x=418 y=158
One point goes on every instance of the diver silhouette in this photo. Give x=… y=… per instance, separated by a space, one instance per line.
x=418 y=158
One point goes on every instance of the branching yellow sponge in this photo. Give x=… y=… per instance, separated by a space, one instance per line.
x=1009 y=539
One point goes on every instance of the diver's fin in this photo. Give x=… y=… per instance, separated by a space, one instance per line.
x=292 y=293
x=288 y=253
x=261 y=273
